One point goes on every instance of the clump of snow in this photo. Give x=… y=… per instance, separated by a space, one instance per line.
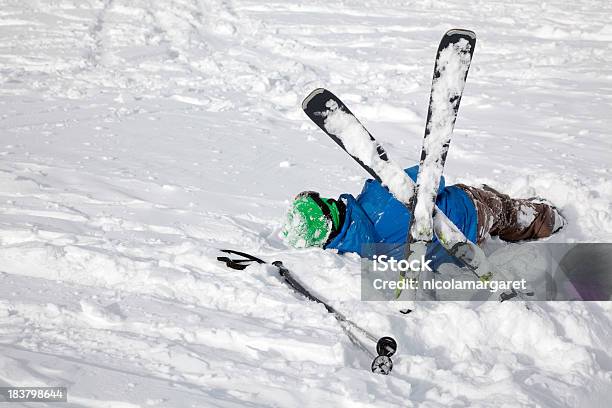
x=294 y=229
x=525 y=216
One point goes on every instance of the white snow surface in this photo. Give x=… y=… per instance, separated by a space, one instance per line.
x=139 y=137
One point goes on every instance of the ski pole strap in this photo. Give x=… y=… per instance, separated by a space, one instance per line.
x=238 y=264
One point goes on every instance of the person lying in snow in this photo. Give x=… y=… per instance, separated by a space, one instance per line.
x=376 y=217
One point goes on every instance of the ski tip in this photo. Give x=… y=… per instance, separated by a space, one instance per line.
x=461 y=32
x=309 y=98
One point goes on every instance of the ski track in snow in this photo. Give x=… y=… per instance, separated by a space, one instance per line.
x=138 y=137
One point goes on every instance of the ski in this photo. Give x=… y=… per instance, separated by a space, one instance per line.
x=451 y=68
x=450 y=73
x=385 y=346
x=333 y=117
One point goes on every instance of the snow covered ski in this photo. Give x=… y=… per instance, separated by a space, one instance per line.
x=333 y=117
x=385 y=346
x=450 y=73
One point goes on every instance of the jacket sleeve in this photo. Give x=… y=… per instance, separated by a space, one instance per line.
x=357 y=230
x=414 y=171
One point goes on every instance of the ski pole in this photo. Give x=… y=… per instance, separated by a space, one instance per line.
x=385 y=346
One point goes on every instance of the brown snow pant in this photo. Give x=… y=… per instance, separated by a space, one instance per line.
x=510 y=219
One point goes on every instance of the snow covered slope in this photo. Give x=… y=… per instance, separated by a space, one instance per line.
x=137 y=137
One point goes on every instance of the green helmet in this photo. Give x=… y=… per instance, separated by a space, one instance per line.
x=310 y=220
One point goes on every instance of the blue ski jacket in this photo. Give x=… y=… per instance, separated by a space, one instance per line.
x=376 y=217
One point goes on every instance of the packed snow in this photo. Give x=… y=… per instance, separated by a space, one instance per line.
x=138 y=138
